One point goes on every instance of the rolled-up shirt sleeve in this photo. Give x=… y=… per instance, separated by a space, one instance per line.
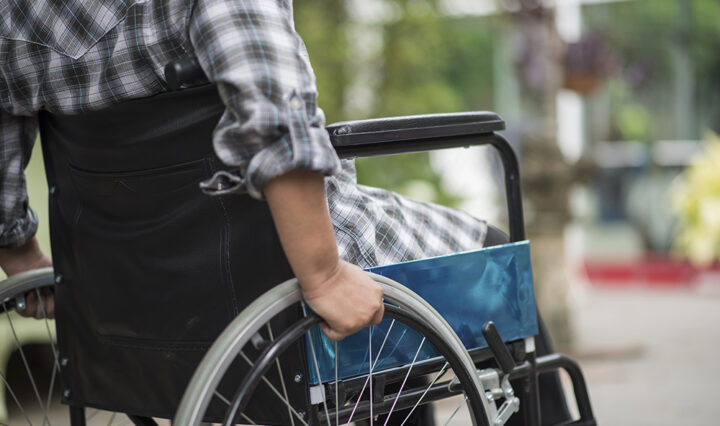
x=272 y=123
x=18 y=222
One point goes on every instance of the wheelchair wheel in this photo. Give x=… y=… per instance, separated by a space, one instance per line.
x=337 y=400
x=31 y=385
x=31 y=390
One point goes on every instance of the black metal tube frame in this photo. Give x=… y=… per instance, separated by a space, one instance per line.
x=507 y=156
x=530 y=392
x=552 y=362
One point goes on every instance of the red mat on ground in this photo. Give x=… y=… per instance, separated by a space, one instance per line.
x=651 y=270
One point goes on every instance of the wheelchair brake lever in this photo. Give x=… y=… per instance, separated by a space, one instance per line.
x=498 y=348
x=507 y=364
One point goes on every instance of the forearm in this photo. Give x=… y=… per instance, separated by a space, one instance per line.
x=341 y=293
x=24 y=258
x=299 y=209
x=18 y=222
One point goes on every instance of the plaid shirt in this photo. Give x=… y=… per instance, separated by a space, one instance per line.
x=69 y=56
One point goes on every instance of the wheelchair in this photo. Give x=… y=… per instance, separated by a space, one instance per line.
x=270 y=365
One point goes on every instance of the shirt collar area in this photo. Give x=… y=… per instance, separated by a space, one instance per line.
x=70 y=27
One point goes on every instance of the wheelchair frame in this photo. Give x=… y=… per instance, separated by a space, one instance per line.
x=397 y=135
x=388 y=136
x=366 y=138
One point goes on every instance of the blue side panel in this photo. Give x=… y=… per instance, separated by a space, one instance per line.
x=468 y=289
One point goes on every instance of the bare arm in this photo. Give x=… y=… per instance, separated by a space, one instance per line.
x=274 y=134
x=341 y=293
x=25 y=258
x=19 y=250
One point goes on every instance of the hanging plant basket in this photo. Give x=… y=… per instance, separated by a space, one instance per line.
x=582 y=83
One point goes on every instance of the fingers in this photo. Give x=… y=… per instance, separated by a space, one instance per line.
x=332 y=334
x=49 y=302
x=31 y=305
x=378 y=315
x=348 y=302
x=39 y=308
x=337 y=335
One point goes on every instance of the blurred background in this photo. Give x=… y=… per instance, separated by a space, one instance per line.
x=613 y=107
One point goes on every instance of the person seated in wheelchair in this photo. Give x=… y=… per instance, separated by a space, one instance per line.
x=80 y=70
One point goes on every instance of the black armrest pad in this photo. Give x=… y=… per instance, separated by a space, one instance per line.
x=415 y=127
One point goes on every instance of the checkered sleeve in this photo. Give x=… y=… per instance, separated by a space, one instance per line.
x=18 y=221
x=271 y=124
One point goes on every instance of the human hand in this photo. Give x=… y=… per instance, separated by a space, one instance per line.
x=347 y=301
x=39 y=307
x=25 y=258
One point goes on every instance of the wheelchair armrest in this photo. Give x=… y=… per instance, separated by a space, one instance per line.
x=411 y=133
x=396 y=135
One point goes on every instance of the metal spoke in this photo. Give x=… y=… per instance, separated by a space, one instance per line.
x=282 y=379
x=56 y=364
x=15 y=398
x=370 y=367
x=27 y=367
x=52 y=385
x=228 y=403
x=53 y=346
x=377 y=357
x=397 y=343
x=439 y=375
x=387 y=419
x=452 y=416
x=222 y=398
x=337 y=398
x=248 y=419
x=317 y=368
x=275 y=391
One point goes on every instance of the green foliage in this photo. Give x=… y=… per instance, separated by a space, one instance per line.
x=651 y=37
x=322 y=24
x=409 y=174
x=632 y=120
x=696 y=200
x=428 y=63
x=413 y=63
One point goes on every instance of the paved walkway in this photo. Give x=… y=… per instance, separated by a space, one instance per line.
x=650 y=356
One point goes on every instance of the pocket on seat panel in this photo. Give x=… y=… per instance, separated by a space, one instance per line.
x=150 y=253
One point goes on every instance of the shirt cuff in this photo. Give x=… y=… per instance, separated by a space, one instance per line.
x=306 y=145
x=19 y=231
